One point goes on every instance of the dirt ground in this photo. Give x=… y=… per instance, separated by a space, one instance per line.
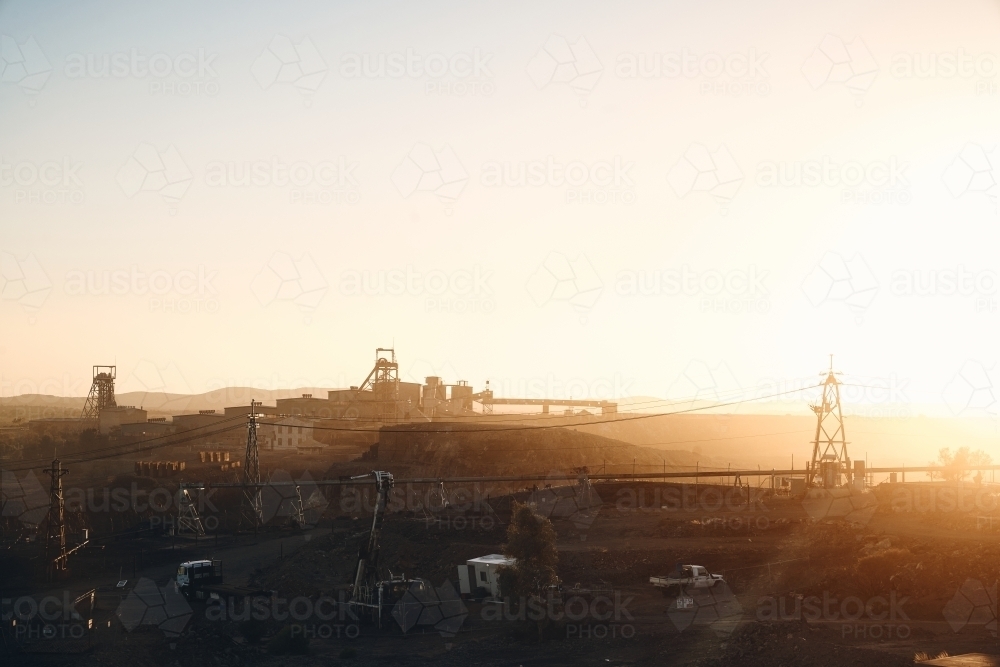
x=901 y=583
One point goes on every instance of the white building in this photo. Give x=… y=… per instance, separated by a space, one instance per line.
x=482 y=573
x=288 y=434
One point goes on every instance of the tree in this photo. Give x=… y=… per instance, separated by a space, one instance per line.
x=874 y=573
x=952 y=464
x=531 y=542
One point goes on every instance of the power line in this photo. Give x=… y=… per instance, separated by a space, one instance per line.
x=87 y=459
x=566 y=425
x=385 y=430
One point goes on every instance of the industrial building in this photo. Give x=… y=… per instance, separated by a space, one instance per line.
x=380 y=399
x=112 y=418
x=383 y=398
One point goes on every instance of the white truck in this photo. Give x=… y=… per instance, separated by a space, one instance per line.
x=202 y=580
x=686 y=578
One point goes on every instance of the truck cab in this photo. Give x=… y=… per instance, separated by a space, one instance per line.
x=685 y=578
x=196 y=573
x=698 y=576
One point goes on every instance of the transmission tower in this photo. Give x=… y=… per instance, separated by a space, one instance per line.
x=829 y=457
x=251 y=507
x=55 y=525
x=102 y=392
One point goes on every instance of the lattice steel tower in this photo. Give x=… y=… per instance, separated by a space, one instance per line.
x=383 y=381
x=251 y=507
x=102 y=392
x=55 y=524
x=829 y=457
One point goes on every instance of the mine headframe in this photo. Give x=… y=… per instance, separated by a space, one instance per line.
x=383 y=382
x=102 y=392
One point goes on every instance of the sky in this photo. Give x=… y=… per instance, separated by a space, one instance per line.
x=569 y=199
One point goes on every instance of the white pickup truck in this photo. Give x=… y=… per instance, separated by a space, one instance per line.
x=685 y=578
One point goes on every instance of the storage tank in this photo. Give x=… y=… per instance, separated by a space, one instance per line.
x=462 y=392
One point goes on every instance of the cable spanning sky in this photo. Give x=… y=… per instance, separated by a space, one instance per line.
x=587 y=200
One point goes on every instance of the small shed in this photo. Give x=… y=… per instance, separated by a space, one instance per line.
x=482 y=573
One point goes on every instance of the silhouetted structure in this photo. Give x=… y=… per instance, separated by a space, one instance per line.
x=829 y=457
x=102 y=392
x=251 y=507
x=55 y=524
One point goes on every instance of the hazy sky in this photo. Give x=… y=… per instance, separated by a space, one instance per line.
x=600 y=198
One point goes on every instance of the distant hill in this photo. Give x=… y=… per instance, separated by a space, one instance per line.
x=751 y=436
x=749 y=440
x=445 y=449
x=159 y=404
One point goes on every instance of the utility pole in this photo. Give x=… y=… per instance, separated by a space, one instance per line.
x=55 y=529
x=251 y=507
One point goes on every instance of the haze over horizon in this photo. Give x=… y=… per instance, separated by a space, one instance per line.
x=566 y=200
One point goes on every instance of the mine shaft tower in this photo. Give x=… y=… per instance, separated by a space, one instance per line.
x=102 y=392
x=829 y=457
x=383 y=381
